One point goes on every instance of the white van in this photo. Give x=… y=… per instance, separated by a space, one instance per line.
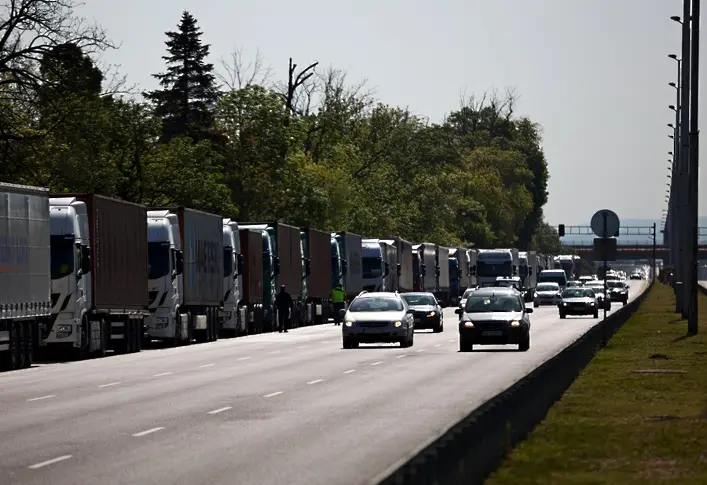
x=553 y=276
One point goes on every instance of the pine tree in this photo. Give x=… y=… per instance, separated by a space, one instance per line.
x=188 y=88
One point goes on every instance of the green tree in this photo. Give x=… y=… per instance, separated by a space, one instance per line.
x=188 y=91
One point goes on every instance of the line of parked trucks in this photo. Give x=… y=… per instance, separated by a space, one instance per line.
x=88 y=274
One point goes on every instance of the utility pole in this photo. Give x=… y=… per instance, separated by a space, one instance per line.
x=694 y=166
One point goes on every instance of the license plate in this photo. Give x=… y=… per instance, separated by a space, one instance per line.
x=493 y=333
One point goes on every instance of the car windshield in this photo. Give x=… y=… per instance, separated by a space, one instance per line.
x=376 y=305
x=417 y=299
x=547 y=287
x=615 y=284
x=574 y=284
x=467 y=293
x=577 y=293
x=493 y=303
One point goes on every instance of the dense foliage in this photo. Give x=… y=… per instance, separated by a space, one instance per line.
x=316 y=151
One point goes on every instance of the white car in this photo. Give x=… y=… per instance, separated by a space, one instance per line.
x=377 y=317
x=546 y=294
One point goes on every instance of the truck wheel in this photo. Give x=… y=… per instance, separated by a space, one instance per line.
x=29 y=343
x=10 y=357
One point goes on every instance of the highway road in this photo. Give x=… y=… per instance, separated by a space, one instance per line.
x=266 y=409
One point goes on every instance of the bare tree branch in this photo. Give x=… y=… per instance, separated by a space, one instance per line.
x=237 y=74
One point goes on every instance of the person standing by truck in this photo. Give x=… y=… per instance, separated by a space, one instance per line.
x=338 y=299
x=283 y=304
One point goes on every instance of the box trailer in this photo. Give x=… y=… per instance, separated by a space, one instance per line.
x=316 y=281
x=25 y=272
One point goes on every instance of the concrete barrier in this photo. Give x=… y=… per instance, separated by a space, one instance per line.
x=469 y=451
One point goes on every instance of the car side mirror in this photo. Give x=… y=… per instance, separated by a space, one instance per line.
x=528 y=310
x=342 y=313
x=410 y=312
x=459 y=311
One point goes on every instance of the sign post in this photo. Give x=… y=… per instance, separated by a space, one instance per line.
x=605 y=224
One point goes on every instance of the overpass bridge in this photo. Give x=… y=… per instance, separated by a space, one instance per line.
x=629 y=251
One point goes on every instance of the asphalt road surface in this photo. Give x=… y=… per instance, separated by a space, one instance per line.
x=266 y=409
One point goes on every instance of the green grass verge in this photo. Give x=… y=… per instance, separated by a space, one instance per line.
x=616 y=425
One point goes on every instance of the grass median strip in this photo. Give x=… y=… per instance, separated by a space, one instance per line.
x=636 y=415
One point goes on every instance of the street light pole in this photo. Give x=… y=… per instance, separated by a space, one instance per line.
x=693 y=168
x=681 y=212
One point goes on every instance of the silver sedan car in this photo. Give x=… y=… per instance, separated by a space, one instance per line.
x=379 y=317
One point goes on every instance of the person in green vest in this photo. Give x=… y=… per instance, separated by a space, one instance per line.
x=338 y=299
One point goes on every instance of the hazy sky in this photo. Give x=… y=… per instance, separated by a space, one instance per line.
x=593 y=73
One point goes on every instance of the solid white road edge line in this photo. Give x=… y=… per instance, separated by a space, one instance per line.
x=49 y=462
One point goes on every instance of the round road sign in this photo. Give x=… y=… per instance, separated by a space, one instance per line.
x=612 y=223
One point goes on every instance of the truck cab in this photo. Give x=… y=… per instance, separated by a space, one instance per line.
x=70 y=267
x=165 y=279
x=233 y=321
x=375 y=268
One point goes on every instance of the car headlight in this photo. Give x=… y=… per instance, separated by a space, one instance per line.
x=591 y=303
x=515 y=323
x=432 y=314
x=468 y=324
x=398 y=323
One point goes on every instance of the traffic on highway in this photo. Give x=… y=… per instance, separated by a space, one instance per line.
x=320 y=404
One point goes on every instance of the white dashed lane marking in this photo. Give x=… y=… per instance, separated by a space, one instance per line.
x=273 y=394
x=110 y=384
x=244 y=358
x=401 y=356
x=315 y=381
x=148 y=431
x=163 y=374
x=377 y=363
x=206 y=365
x=41 y=398
x=220 y=410
x=349 y=371
x=49 y=462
